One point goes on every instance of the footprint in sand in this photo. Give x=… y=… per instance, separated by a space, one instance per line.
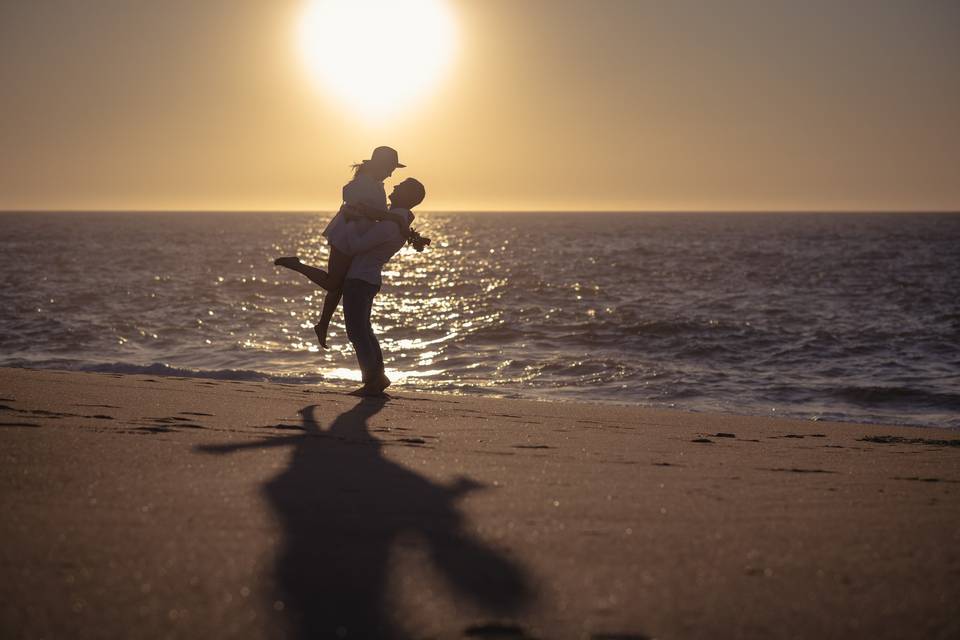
x=496 y=630
x=919 y=479
x=283 y=427
x=900 y=440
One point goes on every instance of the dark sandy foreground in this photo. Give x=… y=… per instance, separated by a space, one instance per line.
x=135 y=507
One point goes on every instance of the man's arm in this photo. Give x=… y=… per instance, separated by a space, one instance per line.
x=356 y=211
x=380 y=232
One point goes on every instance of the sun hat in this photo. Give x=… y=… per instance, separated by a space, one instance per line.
x=387 y=157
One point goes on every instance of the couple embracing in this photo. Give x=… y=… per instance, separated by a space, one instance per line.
x=362 y=237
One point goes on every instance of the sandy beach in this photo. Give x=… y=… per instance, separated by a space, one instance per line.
x=147 y=507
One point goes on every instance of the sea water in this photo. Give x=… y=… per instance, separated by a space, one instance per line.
x=817 y=316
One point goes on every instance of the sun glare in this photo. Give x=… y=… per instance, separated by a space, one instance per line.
x=377 y=56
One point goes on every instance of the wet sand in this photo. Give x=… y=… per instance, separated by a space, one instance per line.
x=136 y=506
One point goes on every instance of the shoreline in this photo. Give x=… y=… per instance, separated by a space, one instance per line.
x=163 y=370
x=200 y=507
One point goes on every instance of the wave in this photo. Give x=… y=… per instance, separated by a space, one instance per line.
x=872 y=395
x=163 y=369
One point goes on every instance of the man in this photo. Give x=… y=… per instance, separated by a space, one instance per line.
x=371 y=251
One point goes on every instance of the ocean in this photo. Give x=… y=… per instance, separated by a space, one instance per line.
x=852 y=317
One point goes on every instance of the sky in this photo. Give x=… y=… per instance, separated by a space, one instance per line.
x=541 y=105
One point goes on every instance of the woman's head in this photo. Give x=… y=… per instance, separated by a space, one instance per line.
x=381 y=164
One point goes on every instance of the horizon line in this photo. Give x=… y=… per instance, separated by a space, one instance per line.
x=519 y=211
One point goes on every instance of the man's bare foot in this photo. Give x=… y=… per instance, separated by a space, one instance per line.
x=290 y=262
x=379 y=384
x=374 y=388
x=366 y=391
x=321 y=330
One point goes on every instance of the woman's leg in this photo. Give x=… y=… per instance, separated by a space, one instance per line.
x=317 y=276
x=338 y=265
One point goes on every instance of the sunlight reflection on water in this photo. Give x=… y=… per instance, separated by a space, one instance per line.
x=814 y=316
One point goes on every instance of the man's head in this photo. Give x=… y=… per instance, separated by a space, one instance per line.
x=408 y=194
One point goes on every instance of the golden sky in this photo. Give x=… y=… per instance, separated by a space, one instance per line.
x=546 y=104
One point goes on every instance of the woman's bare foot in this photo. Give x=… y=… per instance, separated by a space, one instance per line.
x=290 y=262
x=321 y=330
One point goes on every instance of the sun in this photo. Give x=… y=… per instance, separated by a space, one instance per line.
x=377 y=56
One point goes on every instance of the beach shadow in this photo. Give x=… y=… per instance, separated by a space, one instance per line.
x=342 y=506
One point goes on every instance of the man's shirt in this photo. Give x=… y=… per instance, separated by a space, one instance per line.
x=373 y=249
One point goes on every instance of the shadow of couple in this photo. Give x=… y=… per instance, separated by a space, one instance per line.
x=342 y=506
